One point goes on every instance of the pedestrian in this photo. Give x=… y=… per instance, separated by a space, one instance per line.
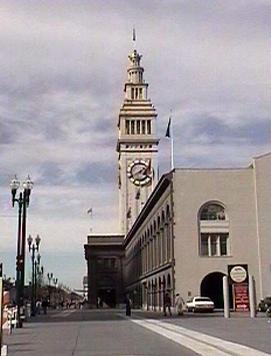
x=128 y=305
x=179 y=304
x=167 y=304
x=38 y=306
x=44 y=305
x=11 y=316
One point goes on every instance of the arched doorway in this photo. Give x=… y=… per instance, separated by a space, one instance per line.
x=212 y=287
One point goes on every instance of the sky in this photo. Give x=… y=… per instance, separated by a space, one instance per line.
x=62 y=73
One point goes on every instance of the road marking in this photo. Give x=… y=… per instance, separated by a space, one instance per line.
x=203 y=344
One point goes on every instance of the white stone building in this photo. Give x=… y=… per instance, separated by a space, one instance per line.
x=195 y=224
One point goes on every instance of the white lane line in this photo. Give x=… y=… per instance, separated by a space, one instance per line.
x=203 y=344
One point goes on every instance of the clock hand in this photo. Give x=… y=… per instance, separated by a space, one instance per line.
x=140 y=170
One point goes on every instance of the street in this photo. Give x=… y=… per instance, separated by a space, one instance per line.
x=110 y=332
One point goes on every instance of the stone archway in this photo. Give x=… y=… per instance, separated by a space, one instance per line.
x=212 y=287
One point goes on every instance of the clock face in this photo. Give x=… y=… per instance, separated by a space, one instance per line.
x=139 y=172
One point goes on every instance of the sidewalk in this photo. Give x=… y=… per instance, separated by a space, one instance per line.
x=239 y=328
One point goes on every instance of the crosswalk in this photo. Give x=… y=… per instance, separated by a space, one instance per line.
x=200 y=343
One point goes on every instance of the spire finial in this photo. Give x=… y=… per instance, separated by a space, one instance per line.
x=134 y=34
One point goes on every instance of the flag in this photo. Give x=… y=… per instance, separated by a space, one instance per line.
x=89 y=211
x=168 y=132
x=134 y=34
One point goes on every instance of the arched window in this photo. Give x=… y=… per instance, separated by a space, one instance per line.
x=158 y=223
x=213 y=230
x=213 y=211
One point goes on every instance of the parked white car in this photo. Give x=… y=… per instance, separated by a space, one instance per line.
x=200 y=304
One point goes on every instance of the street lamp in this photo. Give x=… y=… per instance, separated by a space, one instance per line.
x=23 y=202
x=33 y=248
x=50 y=277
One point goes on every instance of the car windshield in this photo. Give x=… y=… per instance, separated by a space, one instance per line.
x=204 y=299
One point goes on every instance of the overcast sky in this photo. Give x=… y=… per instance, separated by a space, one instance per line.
x=62 y=72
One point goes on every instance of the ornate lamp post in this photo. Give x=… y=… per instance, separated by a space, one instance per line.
x=33 y=248
x=23 y=203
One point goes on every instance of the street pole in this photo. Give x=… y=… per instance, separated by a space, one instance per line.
x=226 y=297
x=23 y=203
x=33 y=284
x=50 y=277
x=18 y=258
x=252 y=297
x=23 y=246
x=33 y=248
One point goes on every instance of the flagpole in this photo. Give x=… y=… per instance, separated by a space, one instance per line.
x=171 y=143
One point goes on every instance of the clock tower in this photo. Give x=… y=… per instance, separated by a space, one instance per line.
x=137 y=145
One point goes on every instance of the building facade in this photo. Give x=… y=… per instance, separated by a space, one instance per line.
x=104 y=255
x=196 y=224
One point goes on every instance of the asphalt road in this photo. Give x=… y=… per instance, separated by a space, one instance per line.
x=110 y=333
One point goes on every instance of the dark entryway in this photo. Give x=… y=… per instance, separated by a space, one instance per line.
x=107 y=297
x=212 y=287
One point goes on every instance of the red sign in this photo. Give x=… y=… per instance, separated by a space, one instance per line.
x=241 y=297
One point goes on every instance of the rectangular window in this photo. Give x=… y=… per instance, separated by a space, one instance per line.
x=143 y=127
x=213 y=245
x=138 y=127
x=149 y=127
x=223 y=245
x=132 y=93
x=204 y=245
x=127 y=127
x=132 y=127
x=140 y=93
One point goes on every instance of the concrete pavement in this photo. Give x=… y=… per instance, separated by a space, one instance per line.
x=109 y=332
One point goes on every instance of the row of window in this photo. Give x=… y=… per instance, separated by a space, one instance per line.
x=138 y=146
x=138 y=127
x=139 y=74
x=214 y=244
x=136 y=93
x=106 y=262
